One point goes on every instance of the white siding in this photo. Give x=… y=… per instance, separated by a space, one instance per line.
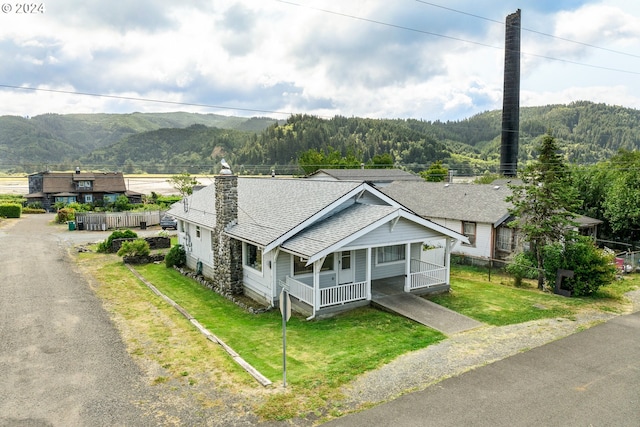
x=482 y=247
x=259 y=282
x=403 y=231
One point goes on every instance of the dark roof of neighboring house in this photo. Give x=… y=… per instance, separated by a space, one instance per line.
x=465 y=202
x=369 y=175
x=103 y=182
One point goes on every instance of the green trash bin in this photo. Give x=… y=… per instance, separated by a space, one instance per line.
x=72 y=225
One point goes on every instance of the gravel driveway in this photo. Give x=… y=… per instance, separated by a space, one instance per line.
x=62 y=361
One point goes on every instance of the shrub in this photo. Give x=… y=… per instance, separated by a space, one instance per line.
x=522 y=266
x=118 y=234
x=592 y=267
x=138 y=247
x=29 y=210
x=10 y=210
x=64 y=215
x=176 y=257
x=35 y=205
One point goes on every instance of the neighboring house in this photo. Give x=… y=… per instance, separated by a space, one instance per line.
x=327 y=242
x=377 y=177
x=49 y=188
x=479 y=211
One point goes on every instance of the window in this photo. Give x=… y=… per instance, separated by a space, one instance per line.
x=253 y=256
x=88 y=198
x=110 y=198
x=389 y=254
x=504 y=239
x=213 y=239
x=197 y=231
x=300 y=267
x=469 y=230
x=84 y=184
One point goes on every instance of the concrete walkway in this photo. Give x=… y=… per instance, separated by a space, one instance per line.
x=426 y=312
x=390 y=296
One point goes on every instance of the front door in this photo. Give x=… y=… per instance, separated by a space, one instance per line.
x=345 y=267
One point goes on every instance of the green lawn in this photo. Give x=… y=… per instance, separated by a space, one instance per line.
x=497 y=303
x=322 y=355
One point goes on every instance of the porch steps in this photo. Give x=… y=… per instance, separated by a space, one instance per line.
x=425 y=312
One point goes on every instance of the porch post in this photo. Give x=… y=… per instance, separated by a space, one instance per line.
x=407 y=267
x=447 y=258
x=316 y=285
x=368 y=276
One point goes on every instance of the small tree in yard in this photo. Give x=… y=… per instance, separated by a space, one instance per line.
x=183 y=183
x=544 y=204
x=435 y=173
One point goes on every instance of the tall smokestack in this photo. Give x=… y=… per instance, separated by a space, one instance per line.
x=511 y=97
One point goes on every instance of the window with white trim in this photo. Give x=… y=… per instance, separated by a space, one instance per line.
x=197 y=231
x=469 y=230
x=252 y=256
x=504 y=239
x=389 y=254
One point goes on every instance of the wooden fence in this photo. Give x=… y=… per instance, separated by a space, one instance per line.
x=96 y=221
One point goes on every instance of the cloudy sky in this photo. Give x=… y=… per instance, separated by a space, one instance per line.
x=369 y=58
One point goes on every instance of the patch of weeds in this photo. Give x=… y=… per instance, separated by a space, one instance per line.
x=184 y=373
x=160 y=380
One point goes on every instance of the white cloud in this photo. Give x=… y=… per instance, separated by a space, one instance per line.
x=368 y=58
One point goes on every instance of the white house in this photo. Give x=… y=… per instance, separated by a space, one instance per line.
x=327 y=242
x=479 y=211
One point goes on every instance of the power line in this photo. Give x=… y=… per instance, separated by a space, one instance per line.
x=133 y=98
x=430 y=33
x=530 y=30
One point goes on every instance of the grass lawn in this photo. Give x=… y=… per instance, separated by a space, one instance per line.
x=321 y=355
x=499 y=303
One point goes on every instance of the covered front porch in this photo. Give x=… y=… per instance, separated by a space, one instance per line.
x=320 y=297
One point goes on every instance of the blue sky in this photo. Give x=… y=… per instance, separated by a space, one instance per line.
x=430 y=60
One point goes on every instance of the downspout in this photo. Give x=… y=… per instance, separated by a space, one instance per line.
x=407 y=267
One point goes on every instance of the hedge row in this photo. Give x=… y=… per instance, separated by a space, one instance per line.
x=10 y=210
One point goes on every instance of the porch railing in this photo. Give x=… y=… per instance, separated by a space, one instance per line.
x=426 y=274
x=300 y=290
x=333 y=295
x=341 y=294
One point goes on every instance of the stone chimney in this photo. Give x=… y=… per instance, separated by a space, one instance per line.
x=227 y=252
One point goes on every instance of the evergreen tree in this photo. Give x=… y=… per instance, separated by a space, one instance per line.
x=435 y=173
x=544 y=203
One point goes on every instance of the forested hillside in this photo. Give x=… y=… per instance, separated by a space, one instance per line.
x=59 y=141
x=170 y=143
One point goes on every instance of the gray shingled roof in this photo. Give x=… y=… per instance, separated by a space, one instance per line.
x=377 y=175
x=464 y=202
x=267 y=208
x=336 y=228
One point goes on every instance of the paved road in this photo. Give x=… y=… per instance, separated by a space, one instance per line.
x=62 y=362
x=591 y=378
